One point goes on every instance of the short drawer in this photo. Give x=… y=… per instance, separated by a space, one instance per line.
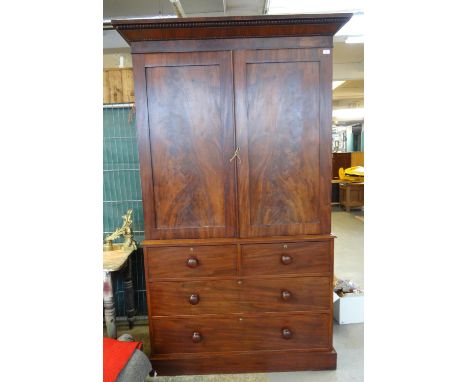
x=191 y=261
x=241 y=333
x=194 y=297
x=286 y=294
x=286 y=258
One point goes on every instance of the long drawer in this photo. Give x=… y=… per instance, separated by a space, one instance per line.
x=240 y=333
x=240 y=295
x=192 y=261
x=286 y=258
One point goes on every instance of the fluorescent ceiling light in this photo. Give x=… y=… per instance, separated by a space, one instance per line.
x=337 y=83
x=356 y=114
x=277 y=7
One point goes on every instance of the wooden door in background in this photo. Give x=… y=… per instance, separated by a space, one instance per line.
x=187 y=138
x=283 y=122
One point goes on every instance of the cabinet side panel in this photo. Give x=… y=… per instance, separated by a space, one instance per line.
x=325 y=139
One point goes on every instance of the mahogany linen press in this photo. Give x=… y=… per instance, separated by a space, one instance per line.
x=234 y=120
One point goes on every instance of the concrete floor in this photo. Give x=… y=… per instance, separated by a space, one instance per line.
x=348 y=340
x=349 y=244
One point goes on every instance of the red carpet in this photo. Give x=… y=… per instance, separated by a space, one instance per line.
x=116 y=356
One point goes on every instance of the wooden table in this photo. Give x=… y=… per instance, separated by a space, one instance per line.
x=351 y=195
x=115 y=261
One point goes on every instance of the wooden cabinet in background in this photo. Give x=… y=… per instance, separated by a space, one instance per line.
x=357 y=158
x=118 y=86
x=346 y=160
x=340 y=160
x=234 y=134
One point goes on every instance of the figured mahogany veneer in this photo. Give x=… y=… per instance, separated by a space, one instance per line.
x=190 y=133
x=283 y=190
x=234 y=134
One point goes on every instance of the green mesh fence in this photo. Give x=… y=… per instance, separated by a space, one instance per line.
x=122 y=191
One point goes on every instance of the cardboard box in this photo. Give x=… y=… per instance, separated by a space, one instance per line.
x=348 y=309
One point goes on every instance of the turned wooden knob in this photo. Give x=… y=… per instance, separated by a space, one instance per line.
x=196 y=337
x=194 y=299
x=286 y=295
x=192 y=262
x=286 y=259
x=286 y=333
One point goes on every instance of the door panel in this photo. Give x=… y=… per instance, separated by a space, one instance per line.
x=281 y=107
x=191 y=135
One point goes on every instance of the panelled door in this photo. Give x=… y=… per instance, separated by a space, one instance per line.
x=186 y=138
x=283 y=124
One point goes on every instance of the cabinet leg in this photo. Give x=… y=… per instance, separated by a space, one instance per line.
x=109 y=308
x=129 y=295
